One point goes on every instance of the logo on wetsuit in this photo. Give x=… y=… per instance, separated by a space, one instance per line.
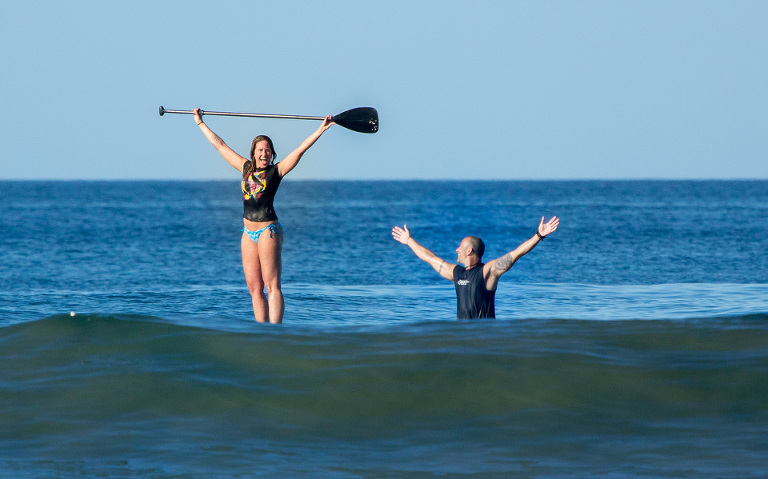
x=463 y=282
x=254 y=187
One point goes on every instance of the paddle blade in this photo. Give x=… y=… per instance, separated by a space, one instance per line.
x=363 y=119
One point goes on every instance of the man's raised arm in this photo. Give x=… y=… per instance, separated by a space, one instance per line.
x=443 y=268
x=501 y=265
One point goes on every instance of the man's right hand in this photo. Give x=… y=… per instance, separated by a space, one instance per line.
x=401 y=235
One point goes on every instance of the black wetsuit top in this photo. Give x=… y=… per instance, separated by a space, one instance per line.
x=473 y=300
x=259 y=190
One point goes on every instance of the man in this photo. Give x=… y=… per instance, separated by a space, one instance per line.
x=476 y=282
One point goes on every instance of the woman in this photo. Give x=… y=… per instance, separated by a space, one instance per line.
x=262 y=240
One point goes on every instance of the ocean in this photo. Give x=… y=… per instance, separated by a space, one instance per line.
x=631 y=343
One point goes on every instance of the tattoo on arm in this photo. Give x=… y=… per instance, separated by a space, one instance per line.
x=216 y=140
x=503 y=263
x=440 y=270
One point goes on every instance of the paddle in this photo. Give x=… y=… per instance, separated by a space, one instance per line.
x=363 y=119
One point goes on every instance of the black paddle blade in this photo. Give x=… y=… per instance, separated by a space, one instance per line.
x=363 y=119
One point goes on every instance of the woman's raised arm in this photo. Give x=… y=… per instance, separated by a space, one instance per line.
x=290 y=161
x=228 y=153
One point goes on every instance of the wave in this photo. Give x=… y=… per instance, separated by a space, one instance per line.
x=123 y=349
x=127 y=387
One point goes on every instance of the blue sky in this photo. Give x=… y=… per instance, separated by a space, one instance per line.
x=464 y=90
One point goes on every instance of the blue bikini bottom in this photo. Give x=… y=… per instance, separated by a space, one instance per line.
x=254 y=235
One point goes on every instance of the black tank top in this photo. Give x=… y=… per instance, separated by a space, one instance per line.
x=259 y=190
x=473 y=300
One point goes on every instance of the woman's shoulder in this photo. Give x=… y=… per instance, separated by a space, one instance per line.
x=246 y=170
x=272 y=169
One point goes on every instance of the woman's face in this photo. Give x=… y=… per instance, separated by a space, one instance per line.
x=262 y=154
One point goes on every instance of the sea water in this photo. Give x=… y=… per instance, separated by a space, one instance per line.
x=633 y=342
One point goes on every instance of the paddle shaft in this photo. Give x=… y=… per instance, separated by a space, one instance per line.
x=250 y=115
x=363 y=119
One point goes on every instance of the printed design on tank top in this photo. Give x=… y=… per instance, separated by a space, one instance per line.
x=254 y=186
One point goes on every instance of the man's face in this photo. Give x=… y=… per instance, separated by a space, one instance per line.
x=462 y=252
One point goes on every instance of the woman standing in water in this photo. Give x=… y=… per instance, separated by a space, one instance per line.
x=262 y=240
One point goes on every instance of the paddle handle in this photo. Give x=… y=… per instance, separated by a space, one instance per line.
x=163 y=111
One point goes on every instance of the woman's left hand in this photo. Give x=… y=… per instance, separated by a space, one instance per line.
x=327 y=122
